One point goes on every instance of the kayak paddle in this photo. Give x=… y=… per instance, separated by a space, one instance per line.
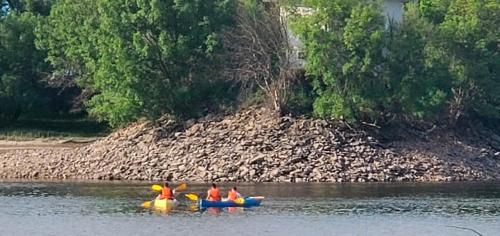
x=158 y=188
x=146 y=204
x=239 y=201
x=257 y=197
x=181 y=187
x=191 y=196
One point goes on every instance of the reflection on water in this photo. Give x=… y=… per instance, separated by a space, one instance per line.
x=321 y=209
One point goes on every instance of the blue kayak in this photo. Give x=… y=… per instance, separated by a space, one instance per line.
x=249 y=202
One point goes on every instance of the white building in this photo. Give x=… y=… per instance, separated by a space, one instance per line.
x=393 y=9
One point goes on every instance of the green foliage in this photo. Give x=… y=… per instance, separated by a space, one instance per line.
x=62 y=35
x=142 y=58
x=41 y=7
x=470 y=35
x=433 y=10
x=27 y=85
x=21 y=66
x=332 y=104
x=344 y=43
x=300 y=101
x=418 y=80
x=145 y=58
x=53 y=128
x=443 y=58
x=447 y=55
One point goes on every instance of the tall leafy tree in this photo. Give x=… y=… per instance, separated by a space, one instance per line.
x=418 y=80
x=140 y=57
x=433 y=10
x=344 y=41
x=471 y=37
x=21 y=65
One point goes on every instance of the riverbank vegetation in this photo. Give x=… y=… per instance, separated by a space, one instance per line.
x=441 y=62
x=121 y=61
x=53 y=128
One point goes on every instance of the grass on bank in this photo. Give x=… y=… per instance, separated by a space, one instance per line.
x=29 y=129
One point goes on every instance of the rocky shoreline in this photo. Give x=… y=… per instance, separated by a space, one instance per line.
x=253 y=146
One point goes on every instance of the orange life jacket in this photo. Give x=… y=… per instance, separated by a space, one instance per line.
x=214 y=194
x=232 y=195
x=166 y=193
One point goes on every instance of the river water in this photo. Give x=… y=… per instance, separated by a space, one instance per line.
x=104 y=208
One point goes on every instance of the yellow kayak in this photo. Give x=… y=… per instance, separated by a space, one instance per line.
x=164 y=204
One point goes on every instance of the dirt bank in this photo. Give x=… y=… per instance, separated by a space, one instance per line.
x=254 y=146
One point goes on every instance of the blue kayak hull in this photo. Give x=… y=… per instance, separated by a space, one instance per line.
x=249 y=202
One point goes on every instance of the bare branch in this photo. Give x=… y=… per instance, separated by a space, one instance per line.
x=258 y=51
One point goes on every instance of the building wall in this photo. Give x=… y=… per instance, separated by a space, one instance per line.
x=393 y=10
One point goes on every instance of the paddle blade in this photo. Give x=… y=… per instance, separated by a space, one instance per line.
x=181 y=187
x=258 y=197
x=192 y=196
x=146 y=204
x=239 y=201
x=156 y=187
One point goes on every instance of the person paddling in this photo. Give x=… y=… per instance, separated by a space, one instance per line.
x=166 y=192
x=213 y=194
x=233 y=194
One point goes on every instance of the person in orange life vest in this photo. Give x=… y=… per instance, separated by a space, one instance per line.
x=167 y=192
x=233 y=194
x=213 y=193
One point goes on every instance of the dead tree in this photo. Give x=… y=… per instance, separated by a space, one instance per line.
x=258 y=51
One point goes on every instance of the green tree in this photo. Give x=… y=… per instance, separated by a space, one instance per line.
x=418 y=79
x=21 y=65
x=344 y=41
x=434 y=10
x=470 y=35
x=41 y=7
x=140 y=57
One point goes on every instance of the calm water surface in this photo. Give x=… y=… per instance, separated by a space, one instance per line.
x=83 y=208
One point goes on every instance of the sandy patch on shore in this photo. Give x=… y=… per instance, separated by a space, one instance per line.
x=38 y=144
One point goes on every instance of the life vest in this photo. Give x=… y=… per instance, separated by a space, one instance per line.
x=214 y=194
x=232 y=195
x=166 y=193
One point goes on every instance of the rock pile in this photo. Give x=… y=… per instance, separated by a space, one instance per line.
x=249 y=146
